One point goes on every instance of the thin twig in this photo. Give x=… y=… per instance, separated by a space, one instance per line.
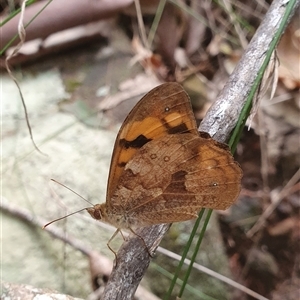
x=213 y=274
x=237 y=27
x=141 y=24
x=275 y=202
x=22 y=35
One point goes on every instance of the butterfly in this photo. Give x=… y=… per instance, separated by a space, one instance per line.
x=162 y=169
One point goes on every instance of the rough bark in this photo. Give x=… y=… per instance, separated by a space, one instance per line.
x=132 y=258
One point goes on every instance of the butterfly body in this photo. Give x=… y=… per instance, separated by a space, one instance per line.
x=163 y=170
x=116 y=218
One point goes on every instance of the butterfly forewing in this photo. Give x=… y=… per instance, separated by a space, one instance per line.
x=164 y=110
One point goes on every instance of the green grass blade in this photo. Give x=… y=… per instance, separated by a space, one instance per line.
x=188 y=272
x=184 y=255
x=17 y=34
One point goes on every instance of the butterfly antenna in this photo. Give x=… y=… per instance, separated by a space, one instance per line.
x=72 y=192
x=73 y=213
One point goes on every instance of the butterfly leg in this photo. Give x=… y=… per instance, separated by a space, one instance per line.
x=149 y=252
x=108 y=243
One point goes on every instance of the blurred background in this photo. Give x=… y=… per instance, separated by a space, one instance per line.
x=81 y=68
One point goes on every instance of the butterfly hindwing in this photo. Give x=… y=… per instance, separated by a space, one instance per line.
x=171 y=178
x=164 y=110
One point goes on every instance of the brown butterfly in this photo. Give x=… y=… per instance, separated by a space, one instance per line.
x=163 y=170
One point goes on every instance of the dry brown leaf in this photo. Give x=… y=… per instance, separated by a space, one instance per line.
x=289 y=56
x=283 y=227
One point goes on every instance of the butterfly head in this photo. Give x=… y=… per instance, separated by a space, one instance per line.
x=98 y=211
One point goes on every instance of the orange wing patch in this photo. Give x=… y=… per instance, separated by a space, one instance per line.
x=164 y=110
